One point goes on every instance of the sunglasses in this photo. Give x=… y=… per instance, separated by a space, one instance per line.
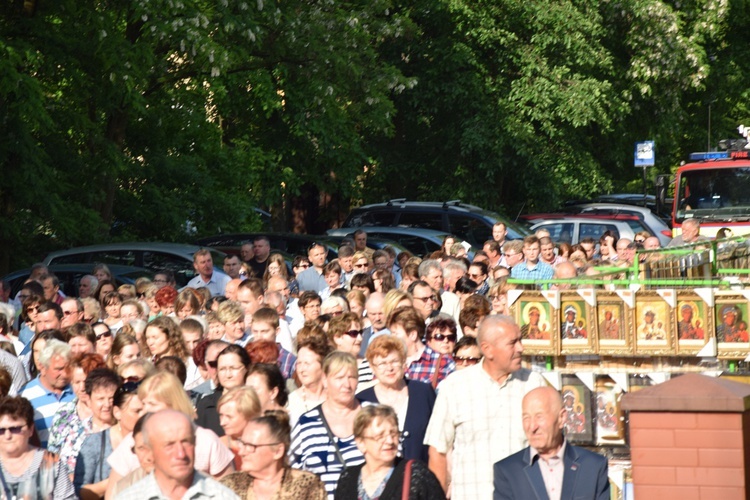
x=129 y=386
x=440 y=337
x=353 y=333
x=426 y=299
x=16 y=429
x=212 y=364
x=461 y=360
x=103 y=334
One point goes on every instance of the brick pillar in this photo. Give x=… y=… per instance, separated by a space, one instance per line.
x=690 y=439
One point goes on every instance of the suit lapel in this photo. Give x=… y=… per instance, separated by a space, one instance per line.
x=534 y=474
x=570 y=473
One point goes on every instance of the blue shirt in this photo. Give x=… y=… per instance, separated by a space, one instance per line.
x=541 y=271
x=311 y=279
x=216 y=284
x=46 y=404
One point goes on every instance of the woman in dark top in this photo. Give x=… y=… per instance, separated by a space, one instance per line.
x=382 y=476
x=410 y=399
x=232 y=365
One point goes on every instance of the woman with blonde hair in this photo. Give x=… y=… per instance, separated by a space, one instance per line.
x=498 y=295
x=236 y=407
x=163 y=391
x=394 y=299
x=187 y=304
x=356 y=301
x=361 y=263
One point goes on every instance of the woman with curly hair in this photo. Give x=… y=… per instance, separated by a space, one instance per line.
x=163 y=338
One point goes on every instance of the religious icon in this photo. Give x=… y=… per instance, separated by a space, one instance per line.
x=538 y=322
x=578 y=424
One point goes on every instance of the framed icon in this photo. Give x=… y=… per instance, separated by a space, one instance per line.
x=578 y=424
x=613 y=324
x=732 y=339
x=577 y=325
x=694 y=323
x=539 y=323
x=610 y=429
x=653 y=322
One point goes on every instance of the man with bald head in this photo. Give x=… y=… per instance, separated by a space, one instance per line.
x=169 y=436
x=230 y=291
x=564 y=270
x=477 y=413
x=549 y=467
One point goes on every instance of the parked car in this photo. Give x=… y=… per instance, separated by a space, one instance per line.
x=572 y=229
x=152 y=256
x=468 y=222
x=418 y=241
x=289 y=243
x=70 y=276
x=664 y=212
x=653 y=222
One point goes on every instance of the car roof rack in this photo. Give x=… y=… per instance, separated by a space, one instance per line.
x=451 y=202
x=395 y=200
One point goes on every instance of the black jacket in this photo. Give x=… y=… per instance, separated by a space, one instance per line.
x=424 y=485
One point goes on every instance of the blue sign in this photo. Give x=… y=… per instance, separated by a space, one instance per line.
x=645 y=154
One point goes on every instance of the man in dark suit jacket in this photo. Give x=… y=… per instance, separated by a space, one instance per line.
x=549 y=468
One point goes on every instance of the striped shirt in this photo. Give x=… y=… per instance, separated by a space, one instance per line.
x=45 y=403
x=313 y=451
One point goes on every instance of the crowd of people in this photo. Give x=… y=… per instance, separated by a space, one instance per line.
x=376 y=375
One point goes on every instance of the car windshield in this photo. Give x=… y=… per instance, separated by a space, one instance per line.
x=714 y=194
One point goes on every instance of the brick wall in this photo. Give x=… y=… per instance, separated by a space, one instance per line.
x=686 y=456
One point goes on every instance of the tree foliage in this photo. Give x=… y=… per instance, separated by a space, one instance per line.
x=142 y=119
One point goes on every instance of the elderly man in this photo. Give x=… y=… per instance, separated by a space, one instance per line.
x=51 y=286
x=549 y=467
x=170 y=438
x=512 y=254
x=625 y=249
x=477 y=413
x=691 y=233
x=374 y=308
x=431 y=272
x=72 y=309
x=360 y=243
x=215 y=281
x=51 y=388
x=87 y=286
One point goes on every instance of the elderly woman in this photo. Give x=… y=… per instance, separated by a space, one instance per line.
x=382 y=476
x=312 y=349
x=411 y=400
x=163 y=338
x=92 y=469
x=231 y=366
x=442 y=335
x=269 y=384
x=323 y=439
x=23 y=465
x=265 y=472
x=236 y=408
x=232 y=316
x=163 y=391
x=81 y=338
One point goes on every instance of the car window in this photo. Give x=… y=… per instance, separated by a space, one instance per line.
x=595 y=231
x=76 y=258
x=371 y=218
x=121 y=257
x=415 y=244
x=470 y=229
x=425 y=220
x=159 y=261
x=638 y=226
x=559 y=231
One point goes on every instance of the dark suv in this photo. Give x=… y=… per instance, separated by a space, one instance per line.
x=468 y=222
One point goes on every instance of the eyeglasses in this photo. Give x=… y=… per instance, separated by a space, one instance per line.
x=494 y=297
x=472 y=276
x=385 y=364
x=16 y=429
x=353 y=333
x=230 y=369
x=212 y=364
x=103 y=334
x=640 y=240
x=71 y=313
x=252 y=447
x=312 y=306
x=440 y=337
x=394 y=435
x=159 y=281
x=461 y=360
x=335 y=313
x=303 y=266
x=359 y=266
x=426 y=299
x=32 y=308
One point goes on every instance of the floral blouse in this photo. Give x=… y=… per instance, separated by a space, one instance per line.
x=67 y=434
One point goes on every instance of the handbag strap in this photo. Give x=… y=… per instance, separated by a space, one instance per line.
x=332 y=437
x=436 y=374
x=407 y=481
